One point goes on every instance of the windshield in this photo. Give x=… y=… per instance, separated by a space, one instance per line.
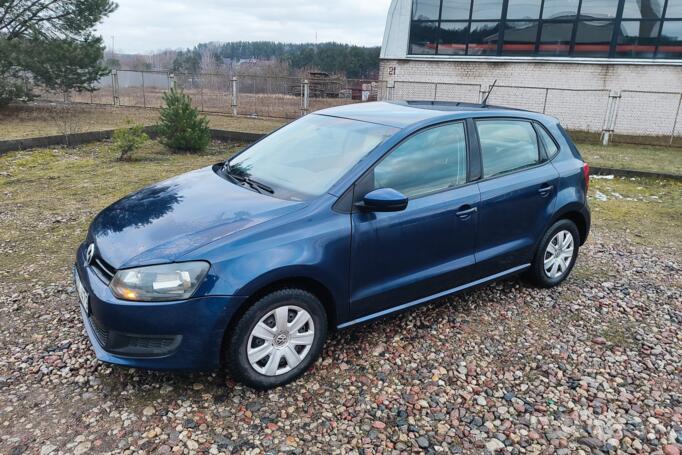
x=305 y=158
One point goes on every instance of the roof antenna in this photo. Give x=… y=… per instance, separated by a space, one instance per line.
x=490 y=90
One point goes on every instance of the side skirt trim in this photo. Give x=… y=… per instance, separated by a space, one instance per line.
x=433 y=297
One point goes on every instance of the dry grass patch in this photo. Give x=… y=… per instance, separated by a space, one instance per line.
x=42 y=119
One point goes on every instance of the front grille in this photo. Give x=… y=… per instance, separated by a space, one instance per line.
x=105 y=271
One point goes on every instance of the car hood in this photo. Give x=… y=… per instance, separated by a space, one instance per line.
x=163 y=222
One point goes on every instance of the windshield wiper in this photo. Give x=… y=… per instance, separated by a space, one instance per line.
x=256 y=185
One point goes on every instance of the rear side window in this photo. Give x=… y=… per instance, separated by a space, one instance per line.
x=430 y=161
x=547 y=142
x=507 y=145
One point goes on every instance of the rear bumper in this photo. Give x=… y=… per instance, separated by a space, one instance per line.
x=183 y=335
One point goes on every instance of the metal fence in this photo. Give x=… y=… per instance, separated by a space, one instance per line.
x=262 y=96
x=602 y=111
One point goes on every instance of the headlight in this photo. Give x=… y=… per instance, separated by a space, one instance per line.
x=159 y=282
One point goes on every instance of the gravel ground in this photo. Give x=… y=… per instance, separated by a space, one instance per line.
x=593 y=366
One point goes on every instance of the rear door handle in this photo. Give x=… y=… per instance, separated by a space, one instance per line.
x=465 y=212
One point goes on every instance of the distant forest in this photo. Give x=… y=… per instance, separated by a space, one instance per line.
x=336 y=58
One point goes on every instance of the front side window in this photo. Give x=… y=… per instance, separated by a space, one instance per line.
x=305 y=158
x=507 y=145
x=430 y=161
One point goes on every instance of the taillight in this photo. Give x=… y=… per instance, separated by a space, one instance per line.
x=586 y=175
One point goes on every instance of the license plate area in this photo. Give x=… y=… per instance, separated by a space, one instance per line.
x=83 y=296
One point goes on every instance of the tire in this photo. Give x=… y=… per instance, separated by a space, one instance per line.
x=558 y=270
x=261 y=334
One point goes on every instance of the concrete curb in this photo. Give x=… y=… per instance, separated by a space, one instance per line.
x=93 y=136
x=596 y=170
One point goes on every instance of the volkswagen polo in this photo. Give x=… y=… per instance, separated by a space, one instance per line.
x=341 y=217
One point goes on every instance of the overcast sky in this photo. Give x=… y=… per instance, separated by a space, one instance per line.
x=149 y=25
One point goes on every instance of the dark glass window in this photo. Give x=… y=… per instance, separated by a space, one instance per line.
x=430 y=161
x=643 y=9
x=483 y=38
x=670 y=45
x=453 y=38
x=561 y=28
x=507 y=145
x=599 y=9
x=593 y=38
x=547 y=142
x=555 y=38
x=487 y=9
x=423 y=38
x=524 y=9
x=560 y=9
x=425 y=10
x=456 y=10
x=637 y=39
x=674 y=10
x=520 y=37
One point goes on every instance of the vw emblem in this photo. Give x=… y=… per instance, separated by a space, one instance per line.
x=90 y=253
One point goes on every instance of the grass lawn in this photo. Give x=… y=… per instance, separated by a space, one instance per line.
x=49 y=197
x=22 y=121
x=634 y=157
x=647 y=211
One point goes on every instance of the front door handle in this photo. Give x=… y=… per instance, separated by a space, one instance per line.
x=545 y=190
x=466 y=211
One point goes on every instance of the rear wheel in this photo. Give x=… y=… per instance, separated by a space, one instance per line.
x=556 y=255
x=277 y=339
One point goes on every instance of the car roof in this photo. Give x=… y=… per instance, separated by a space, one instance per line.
x=401 y=114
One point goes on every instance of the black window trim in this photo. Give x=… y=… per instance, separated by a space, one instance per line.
x=540 y=163
x=611 y=54
x=467 y=137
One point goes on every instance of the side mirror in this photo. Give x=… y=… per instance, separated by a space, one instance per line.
x=383 y=200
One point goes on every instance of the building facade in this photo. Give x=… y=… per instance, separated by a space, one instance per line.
x=598 y=65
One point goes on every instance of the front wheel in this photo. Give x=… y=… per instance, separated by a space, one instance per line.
x=277 y=339
x=556 y=254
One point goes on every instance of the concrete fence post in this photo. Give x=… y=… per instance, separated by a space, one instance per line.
x=234 y=85
x=144 y=96
x=305 y=97
x=544 y=104
x=114 y=87
x=172 y=83
x=610 y=118
x=482 y=93
x=677 y=117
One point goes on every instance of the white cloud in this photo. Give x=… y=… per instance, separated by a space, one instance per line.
x=141 y=26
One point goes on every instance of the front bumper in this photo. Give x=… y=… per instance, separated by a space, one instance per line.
x=185 y=335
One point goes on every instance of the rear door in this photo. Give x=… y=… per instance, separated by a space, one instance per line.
x=518 y=192
x=400 y=257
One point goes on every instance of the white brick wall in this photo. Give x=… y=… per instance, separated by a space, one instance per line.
x=578 y=93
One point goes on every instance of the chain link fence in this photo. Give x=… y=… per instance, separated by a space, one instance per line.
x=647 y=114
x=261 y=96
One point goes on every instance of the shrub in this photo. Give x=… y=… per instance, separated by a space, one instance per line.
x=127 y=140
x=181 y=127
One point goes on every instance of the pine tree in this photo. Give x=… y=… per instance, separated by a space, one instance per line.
x=181 y=127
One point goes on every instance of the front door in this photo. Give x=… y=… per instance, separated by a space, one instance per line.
x=400 y=257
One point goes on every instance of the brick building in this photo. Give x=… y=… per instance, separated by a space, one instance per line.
x=592 y=63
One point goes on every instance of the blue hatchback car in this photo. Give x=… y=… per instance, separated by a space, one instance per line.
x=341 y=217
